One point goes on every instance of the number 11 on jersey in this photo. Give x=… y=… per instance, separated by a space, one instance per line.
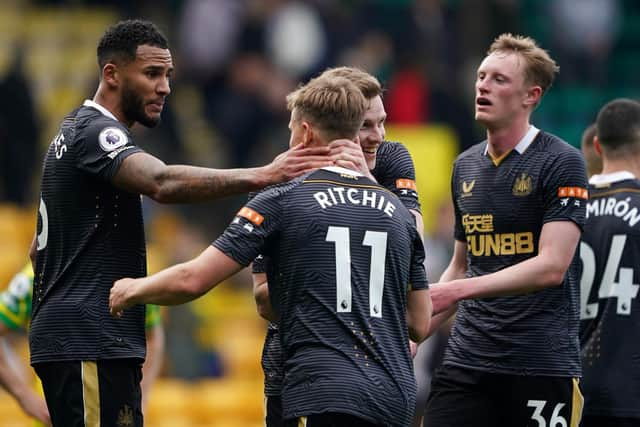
x=377 y=240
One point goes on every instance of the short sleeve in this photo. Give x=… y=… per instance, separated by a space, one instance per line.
x=396 y=172
x=418 y=275
x=102 y=147
x=565 y=188
x=458 y=230
x=251 y=229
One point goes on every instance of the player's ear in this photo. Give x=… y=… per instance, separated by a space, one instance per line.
x=110 y=75
x=307 y=133
x=597 y=146
x=532 y=98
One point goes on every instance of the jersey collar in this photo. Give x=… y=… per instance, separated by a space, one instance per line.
x=524 y=143
x=339 y=170
x=104 y=111
x=610 y=178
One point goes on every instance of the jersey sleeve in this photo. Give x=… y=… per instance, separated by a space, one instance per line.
x=458 y=230
x=247 y=235
x=418 y=274
x=396 y=172
x=102 y=147
x=15 y=301
x=152 y=316
x=565 y=188
x=259 y=264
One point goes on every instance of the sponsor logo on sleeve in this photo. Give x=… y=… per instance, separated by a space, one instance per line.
x=409 y=184
x=111 y=138
x=250 y=215
x=573 y=192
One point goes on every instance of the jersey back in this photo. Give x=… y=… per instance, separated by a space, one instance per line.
x=610 y=315
x=394 y=171
x=90 y=234
x=343 y=253
x=500 y=211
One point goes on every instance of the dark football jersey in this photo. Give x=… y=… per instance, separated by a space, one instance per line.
x=90 y=234
x=610 y=315
x=395 y=171
x=500 y=210
x=343 y=253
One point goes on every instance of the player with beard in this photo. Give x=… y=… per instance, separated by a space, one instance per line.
x=351 y=286
x=389 y=164
x=90 y=229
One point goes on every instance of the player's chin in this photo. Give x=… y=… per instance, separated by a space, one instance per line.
x=150 y=120
x=370 y=158
x=483 y=117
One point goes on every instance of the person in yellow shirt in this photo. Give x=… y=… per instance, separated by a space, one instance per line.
x=15 y=313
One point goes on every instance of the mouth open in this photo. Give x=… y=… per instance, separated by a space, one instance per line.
x=483 y=101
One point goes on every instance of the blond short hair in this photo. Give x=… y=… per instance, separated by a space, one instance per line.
x=334 y=105
x=539 y=70
x=368 y=84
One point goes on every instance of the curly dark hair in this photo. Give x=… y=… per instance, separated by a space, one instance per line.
x=120 y=42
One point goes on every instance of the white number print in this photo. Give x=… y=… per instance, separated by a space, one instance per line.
x=377 y=240
x=624 y=289
x=44 y=233
x=556 y=420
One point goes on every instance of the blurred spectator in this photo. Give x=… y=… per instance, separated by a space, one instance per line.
x=408 y=99
x=208 y=34
x=296 y=39
x=18 y=134
x=584 y=36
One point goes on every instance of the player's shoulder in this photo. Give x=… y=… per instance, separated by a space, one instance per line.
x=553 y=144
x=390 y=148
x=92 y=123
x=472 y=152
x=277 y=190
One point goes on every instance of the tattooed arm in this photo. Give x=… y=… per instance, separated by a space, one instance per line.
x=145 y=174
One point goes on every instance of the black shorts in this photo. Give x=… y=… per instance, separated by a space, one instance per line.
x=330 y=419
x=273 y=411
x=470 y=398
x=90 y=393
x=597 y=421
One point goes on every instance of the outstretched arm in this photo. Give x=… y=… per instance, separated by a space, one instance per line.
x=145 y=174
x=174 y=285
x=558 y=242
x=17 y=385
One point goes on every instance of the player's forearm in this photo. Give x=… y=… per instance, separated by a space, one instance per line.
x=418 y=314
x=534 y=274
x=180 y=184
x=440 y=319
x=10 y=380
x=263 y=303
x=175 y=285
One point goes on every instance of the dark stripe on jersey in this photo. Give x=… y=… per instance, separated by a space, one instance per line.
x=393 y=162
x=610 y=309
x=500 y=212
x=339 y=357
x=95 y=236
